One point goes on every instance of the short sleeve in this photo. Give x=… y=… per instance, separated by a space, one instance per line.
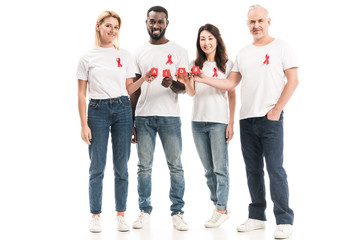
x=136 y=63
x=130 y=71
x=191 y=64
x=235 y=67
x=184 y=60
x=229 y=67
x=83 y=69
x=288 y=57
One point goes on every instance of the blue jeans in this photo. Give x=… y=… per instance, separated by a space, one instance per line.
x=210 y=142
x=106 y=115
x=169 y=130
x=261 y=138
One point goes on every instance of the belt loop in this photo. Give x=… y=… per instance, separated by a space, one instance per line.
x=120 y=100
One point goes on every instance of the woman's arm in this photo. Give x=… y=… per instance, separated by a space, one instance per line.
x=188 y=82
x=85 y=130
x=232 y=105
x=132 y=86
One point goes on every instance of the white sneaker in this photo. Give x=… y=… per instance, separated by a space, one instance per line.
x=283 y=231
x=122 y=225
x=95 y=225
x=250 y=225
x=142 y=219
x=179 y=223
x=217 y=219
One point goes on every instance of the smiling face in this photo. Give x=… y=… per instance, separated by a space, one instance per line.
x=258 y=23
x=208 y=43
x=108 y=30
x=156 y=24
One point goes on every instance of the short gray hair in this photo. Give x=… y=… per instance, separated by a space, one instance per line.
x=257 y=6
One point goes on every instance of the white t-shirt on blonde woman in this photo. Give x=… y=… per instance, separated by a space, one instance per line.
x=156 y=100
x=263 y=78
x=106 y=70
x=211 y=104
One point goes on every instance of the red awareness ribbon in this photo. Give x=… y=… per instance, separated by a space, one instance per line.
x=266 y=59
x=169 y=59
x=215 y=73
x=118 y=61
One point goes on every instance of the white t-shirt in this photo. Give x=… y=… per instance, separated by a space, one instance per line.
x=211 y=104
x=156 y=100
x=106 y=70
x=263 y=78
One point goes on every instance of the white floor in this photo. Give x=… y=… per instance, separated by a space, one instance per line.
x=53 y=204
x=44 y=193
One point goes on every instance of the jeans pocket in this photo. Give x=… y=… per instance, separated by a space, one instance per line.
x=270 y=119
x=125 y=103
x=93 y=105
x=279 y=120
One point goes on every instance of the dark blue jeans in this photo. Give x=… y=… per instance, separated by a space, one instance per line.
x=262 y=138
x=104 y=116
x=169 y=130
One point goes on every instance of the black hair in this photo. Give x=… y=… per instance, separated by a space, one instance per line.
x=158 y=9
x=221 y=56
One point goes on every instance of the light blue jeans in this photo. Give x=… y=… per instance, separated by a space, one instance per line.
x=210 y=142
x=169 y=130
x=109 y=115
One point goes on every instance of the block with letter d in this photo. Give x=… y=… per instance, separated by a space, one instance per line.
x=195 y=69
x=181 y=71
x=154 y=72
x=166 y=73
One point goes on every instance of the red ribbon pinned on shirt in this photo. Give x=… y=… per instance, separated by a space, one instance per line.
x=169 y=59
x=266 y=59
x=215 y=73
x=118 y=61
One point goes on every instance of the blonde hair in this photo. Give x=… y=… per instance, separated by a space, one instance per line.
x=100 y=20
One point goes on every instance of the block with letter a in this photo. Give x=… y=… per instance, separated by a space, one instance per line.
x=195 y=69
x=154 y=72
x=181 y=71
x=166 y=73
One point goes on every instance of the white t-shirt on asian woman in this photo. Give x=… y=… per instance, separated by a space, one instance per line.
x=211 y=104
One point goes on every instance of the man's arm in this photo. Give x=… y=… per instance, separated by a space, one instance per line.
x=289 y=89
x=134 y=99
x=175 y=86
x=228 y=84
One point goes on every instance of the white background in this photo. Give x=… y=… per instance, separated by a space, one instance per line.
x=44 y=163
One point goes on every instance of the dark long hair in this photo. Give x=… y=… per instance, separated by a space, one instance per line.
x=221 y=56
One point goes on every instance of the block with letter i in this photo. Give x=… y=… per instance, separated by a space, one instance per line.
x=195 y=69
x=181 y=71
x=166 y=73
x=154 y=72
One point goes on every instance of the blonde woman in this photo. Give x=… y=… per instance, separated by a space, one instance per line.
x=107 y=73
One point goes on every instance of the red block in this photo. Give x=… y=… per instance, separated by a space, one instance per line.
x=181 y=71
x=154 y=72
x=195 y=69
x=166 y=73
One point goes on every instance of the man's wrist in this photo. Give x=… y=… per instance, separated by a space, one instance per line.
x=277 y=109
